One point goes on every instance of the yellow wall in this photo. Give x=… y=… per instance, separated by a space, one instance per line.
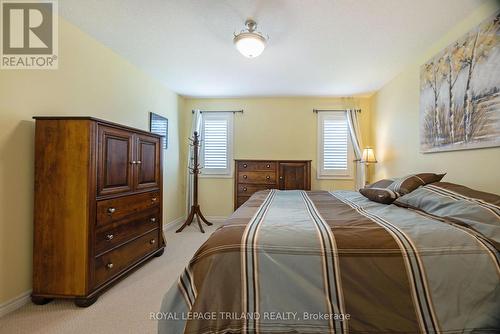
x=396 y=123
x=270 y=128
x=91 y=80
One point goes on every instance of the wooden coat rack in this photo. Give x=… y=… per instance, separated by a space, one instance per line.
x=195 y=208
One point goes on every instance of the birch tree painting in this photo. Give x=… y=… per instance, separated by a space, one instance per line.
x=460 y=92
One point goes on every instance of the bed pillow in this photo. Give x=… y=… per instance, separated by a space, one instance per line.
x=384 y=183
x=463 y=191
x=407 y=184
x=380 y=195
x=387 y=191
x=477 y=210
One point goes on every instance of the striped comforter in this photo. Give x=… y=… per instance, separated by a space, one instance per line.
x=320 y=262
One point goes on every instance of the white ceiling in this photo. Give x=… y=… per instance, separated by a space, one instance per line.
x=316 y=47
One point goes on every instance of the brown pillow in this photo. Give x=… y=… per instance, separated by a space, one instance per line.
x=380 y=195
x=407 y=184
x=384 y=183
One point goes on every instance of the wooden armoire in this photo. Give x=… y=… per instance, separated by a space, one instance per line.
x=98 y=206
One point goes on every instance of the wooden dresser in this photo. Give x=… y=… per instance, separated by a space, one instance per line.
x=255 y=175
x=98 y=206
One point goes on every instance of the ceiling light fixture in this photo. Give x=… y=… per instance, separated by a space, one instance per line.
x=250 y=42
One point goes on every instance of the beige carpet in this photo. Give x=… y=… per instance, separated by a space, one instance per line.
x=125 y=307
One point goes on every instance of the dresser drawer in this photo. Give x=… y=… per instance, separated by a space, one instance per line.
x=116 y=234
x=241 y=200
x=119 y=259
x=249 y=189
x=112 y=210
x=257 y=177
x=244 y=166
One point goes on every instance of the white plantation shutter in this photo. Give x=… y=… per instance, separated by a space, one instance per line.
x=335 y=152
x=215 y=147
x=335 y=144
x=216 y=143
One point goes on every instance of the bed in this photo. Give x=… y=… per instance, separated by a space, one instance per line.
x=337 y=262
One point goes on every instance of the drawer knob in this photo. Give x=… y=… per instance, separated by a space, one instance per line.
x=110 y=265
x=245 y=165
x=245 y=189
x=133 y=162
x=268 y=166
x=153 y=220
x=111 y=210
x=139 y=162
x=281 y=177
x=152 y=241
x=109 y=237
x=268 y=177
x=244 y=176
x=154 y=199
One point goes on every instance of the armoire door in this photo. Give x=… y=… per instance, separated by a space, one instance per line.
x=293 y=175
x=114 y=163
x=148 y=164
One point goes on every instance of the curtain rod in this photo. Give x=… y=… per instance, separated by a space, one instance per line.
x=233 y=111
x=326 y=110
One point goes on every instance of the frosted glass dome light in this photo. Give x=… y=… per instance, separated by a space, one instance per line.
x=249 y=42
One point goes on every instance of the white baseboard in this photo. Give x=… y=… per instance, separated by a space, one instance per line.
x=174 y=223
x=216 y=219
x=24 y=298
x=15 y=303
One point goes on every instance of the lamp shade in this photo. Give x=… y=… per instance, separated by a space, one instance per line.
x=368 y=156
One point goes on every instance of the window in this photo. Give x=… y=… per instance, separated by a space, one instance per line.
x=217 y=143
x=335 y=152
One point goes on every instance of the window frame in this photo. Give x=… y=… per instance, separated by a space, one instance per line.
x=212 y=172
x=332 y=175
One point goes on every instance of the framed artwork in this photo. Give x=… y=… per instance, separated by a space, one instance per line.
x=460 y=92
x=159 y=125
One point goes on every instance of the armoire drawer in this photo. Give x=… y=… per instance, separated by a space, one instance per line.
x=257 y=177
x=112 y=210
x=119 y=259
x=116 y=234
